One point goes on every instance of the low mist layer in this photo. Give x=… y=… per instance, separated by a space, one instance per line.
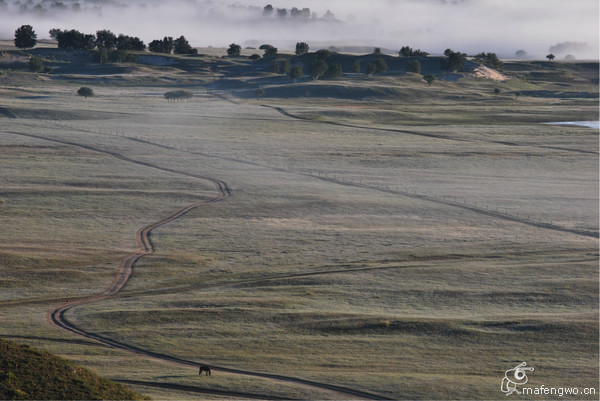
x=533 y=27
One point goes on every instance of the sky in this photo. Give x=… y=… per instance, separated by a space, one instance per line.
x=471 y=26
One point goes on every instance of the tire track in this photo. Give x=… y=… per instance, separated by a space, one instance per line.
x=426 y=134
x=474 y=209
x=57 y=316
x=201 y=390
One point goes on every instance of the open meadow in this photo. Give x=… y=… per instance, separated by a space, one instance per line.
x=376 y=234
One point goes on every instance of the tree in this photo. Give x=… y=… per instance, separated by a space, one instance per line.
x=254 y=57
x=380 y=65
x=162 y=46
x=371 y=68
x=521 y=53
x=270 y=51
x=234 y=50
x=36 y=64
x=101 y=56
x=455 y=61
x=275 y=67
x=334 y=70
x=297 y=13
x=182 y=46
x=267 y=10
x=25 y=37
x=281 y=12
x=296 y=72
x=489 y=59
x=414 y=66
x=125 y=42
x=323 y=54
x=550 y=57
x=429 y=78
x=85 y=92
x=318 y=68
x=377 y=50
x=496 y=91
x=407 y=51
x=54 y=33
x=105 y=39
x=73 y=39
x=259 y=92
x=301 y=48
x=356 y=66
x=285 y=66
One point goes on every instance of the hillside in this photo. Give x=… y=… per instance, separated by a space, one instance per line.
x=28 y=373
x=240 y=76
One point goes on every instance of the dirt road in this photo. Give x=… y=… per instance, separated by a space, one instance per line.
x=57 y=316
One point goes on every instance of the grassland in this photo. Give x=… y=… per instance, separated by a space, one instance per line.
x=28 y=373
x=406 y=240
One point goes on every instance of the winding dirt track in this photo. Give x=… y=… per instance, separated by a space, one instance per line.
x=57 y=316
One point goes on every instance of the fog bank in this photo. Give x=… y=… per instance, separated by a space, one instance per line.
x=471 y=26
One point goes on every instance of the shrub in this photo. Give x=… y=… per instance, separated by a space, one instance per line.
x=178 y=95
x=36 y=64
x=429 y=78
x=85 y=92
x=296 y=72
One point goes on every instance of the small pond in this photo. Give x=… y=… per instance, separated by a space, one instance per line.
x=589 y=124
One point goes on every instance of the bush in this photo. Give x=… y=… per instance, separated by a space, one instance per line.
x=296 y=72
x=178 y=95
x=429 y=78
x=85 y=92
x=36 y=64
x=318 y=68
x=334 y=70
x=377 y=66
x=259 y=92
x=285 y=67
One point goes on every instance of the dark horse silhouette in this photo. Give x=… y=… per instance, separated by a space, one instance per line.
x=204 y=369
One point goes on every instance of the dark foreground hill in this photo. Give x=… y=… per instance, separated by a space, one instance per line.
x=27 y=373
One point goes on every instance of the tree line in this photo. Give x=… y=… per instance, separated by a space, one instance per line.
x=72 y=39
x=294 y=12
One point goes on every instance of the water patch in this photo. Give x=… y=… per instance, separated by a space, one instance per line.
x=589 y=124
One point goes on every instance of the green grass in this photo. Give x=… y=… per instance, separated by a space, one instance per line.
x=29 y=373
x=317 y=267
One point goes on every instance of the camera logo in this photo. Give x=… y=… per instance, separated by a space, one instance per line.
x=515 y=377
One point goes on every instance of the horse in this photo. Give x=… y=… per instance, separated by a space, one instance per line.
x=204 y=368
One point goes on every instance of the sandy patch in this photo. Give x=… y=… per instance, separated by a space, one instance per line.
x=7 y=58
x=489 y=73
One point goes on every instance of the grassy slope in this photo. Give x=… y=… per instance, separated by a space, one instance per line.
x=32 y=374
x=444 y=302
